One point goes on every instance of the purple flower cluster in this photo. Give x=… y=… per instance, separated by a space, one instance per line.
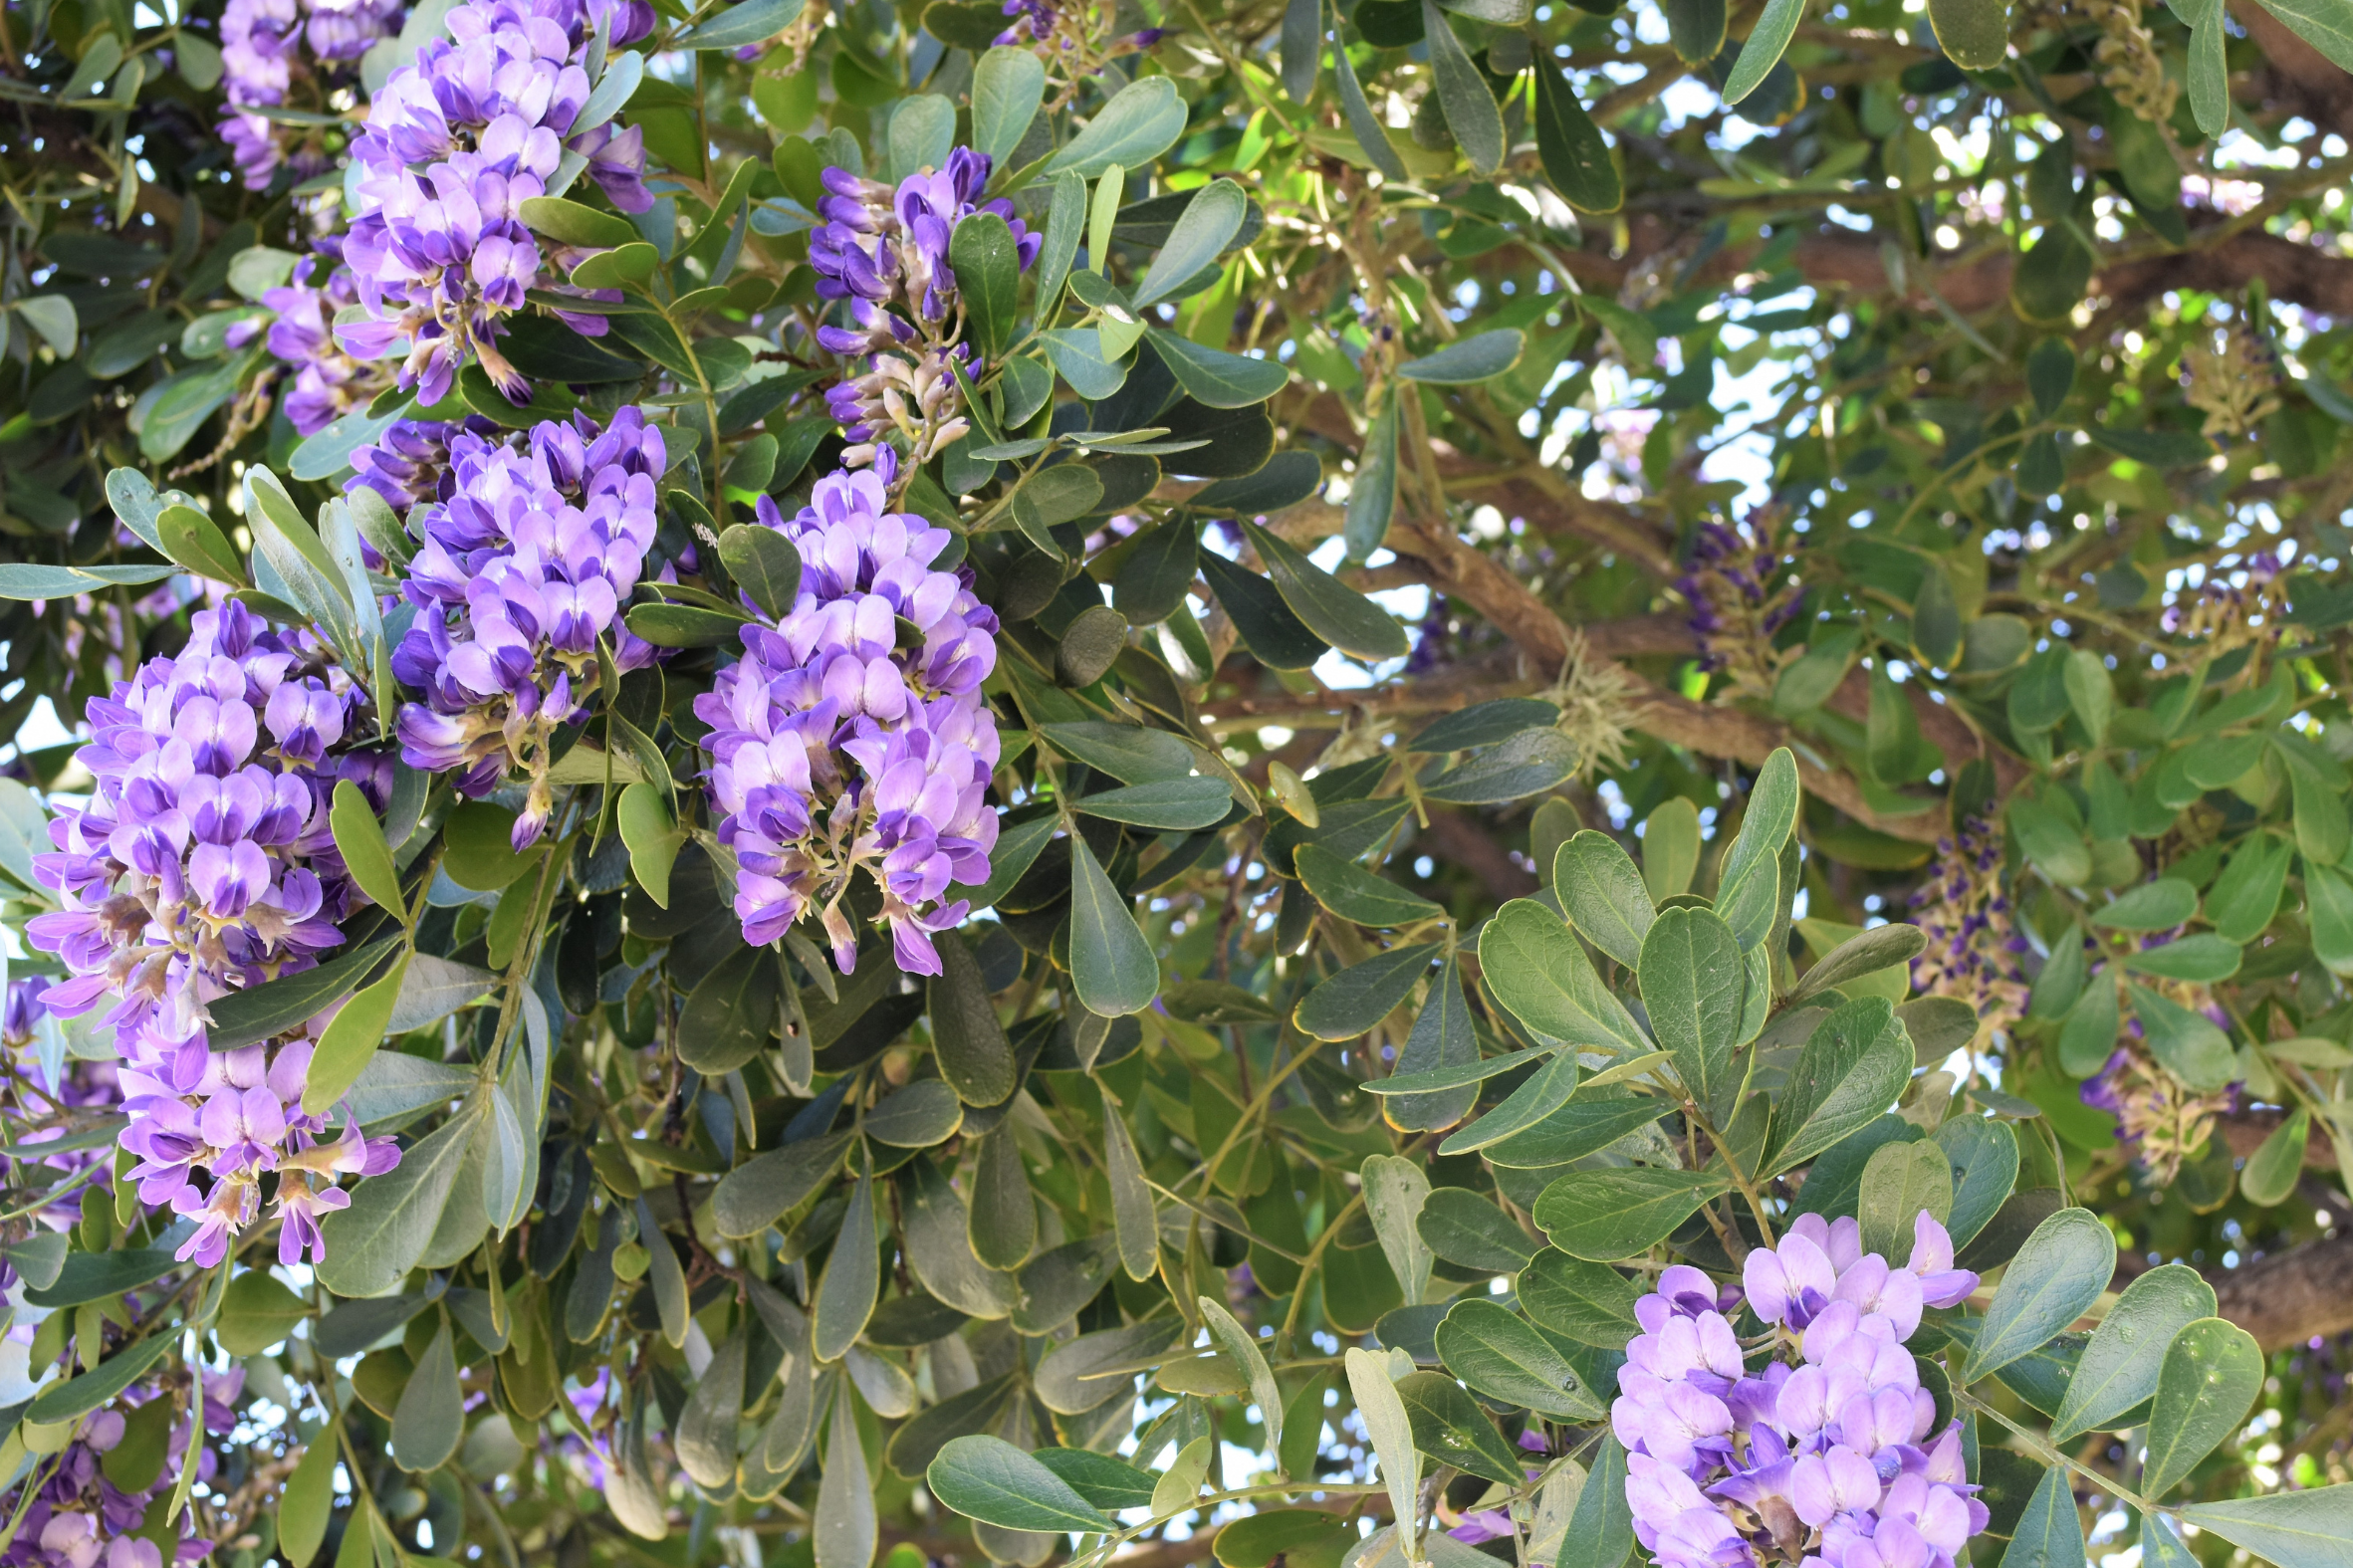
x=841 y=738
x=1972 y=940
x=205 y=864
x=328 y=382
x=454 y=143
x=884 y=250
x=410 y=463
x=78 y=1519
x=1070 y=33
x=261 y=58
x=2163 y=1118
x=1739 y=599
x=1826 y=1462
x=525 y=557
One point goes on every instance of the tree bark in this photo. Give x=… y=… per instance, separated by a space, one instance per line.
x=2303 y=1293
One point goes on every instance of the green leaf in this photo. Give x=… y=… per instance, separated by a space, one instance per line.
x=1984 y=1156
x=989 y=1480
x=32 y=583
x=847 y=1290
x=1693 y=983
x=1169 y=805
x=2209 y=89
x=2188 y=1043
x=308 y=1501
x=2056 y=1278
x=1353 y=893
x=686 y=626
x=1360 y=996
x=359 y=839
x=352 y=1040
x=924 y=1113
x=2053 y=843
x=989 y=277
x=1531 y=1106
x=751 y=21
x=967 y=1036
x=256 y=1313
x=1900 y=1180
x=79 y=1396
x=1213 y=377
x=1480 y=358
x=1363 y=124
x=764 y=564
x=1600 y=1530
x=1449 y=1427
x=652 y=839
x=93 y=1276
x=1140 y=122
x=1372 y=493
x=1251 y=1362
x=1499 y=1355
x=1273 y=634
x=1008 y=87
x=755 y=1195
x=2118 y=1370
x=2153 y=906
x=1850 y=1069
x=430 y=1416
x=706 y=1439
x=2273 y=1170
x=2328 y=896
x=1603 y=1215
x=1576 y=157
x=1974 y=33
x=2242 y=900
x=197 y=543
x=1532 y=964
x=1464 y=1227
x=1336 y=613
x=2212 y=1374
x=730 y=1015
x=1863 y=954
x=1528 y=763
x=1764 y=49
x=1470 y=109
x=1395 y=1188
x=2048 y=1533
x=1128 y=752
x=1748 y=893
x=1601 y=888
x=569 y=223
x=247 y=1018
x=1112 y=968
x=1586 y=1125
x=392 y=1217
x=1199 y=237
x=1590 y=1303
x=2202 y=958
x=2292 y=1529
x=54 y=318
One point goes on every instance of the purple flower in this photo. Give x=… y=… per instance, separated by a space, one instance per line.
x=883 y=250
x=205 y=864
x=839 y=741
x=523 y=562
x=455 y=142
x=1822 y=1457
x=262 y=58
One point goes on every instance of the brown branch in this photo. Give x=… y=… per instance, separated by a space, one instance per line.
x=2295 y=78
x=2289 y=1297
x=1462 y=840
x=1460 y=571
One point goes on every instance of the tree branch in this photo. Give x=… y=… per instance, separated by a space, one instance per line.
x=2289 y=1297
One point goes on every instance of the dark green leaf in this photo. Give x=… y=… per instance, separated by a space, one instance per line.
x=2056 y=1275
x=1603 y=1215
x=1353 y=1000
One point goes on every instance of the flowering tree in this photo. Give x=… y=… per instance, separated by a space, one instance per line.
x=1134 y=783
